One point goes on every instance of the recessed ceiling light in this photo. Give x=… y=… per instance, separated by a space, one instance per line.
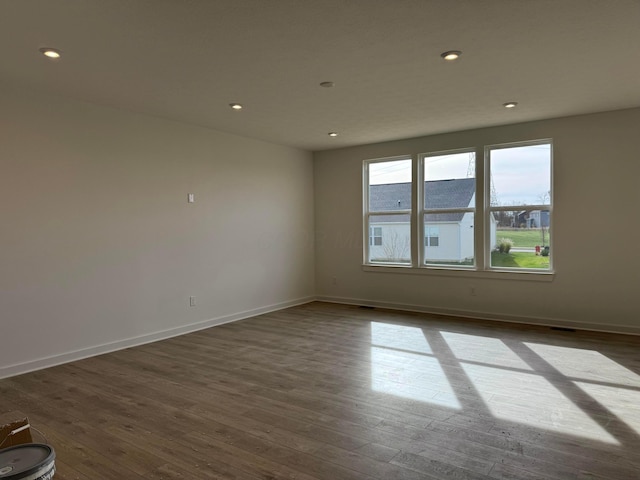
x=51 y=52
x=235 y=106
x=327 y=84
x=509 y=104
x=451 y=55
x=333 y=134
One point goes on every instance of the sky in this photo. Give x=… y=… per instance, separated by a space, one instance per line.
x=520 y=175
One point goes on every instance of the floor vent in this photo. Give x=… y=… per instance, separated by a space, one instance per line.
x=367 y=307
x=563 y=329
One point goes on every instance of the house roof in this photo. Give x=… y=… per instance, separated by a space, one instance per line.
x=455 y=193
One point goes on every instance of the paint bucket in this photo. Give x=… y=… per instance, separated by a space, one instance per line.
x=32 y=461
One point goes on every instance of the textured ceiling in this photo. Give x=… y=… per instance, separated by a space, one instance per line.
x=188 y=59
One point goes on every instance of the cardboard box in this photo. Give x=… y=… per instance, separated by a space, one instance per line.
x=15 y=433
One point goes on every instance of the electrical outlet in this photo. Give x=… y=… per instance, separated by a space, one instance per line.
x=472 y=291
x=192 y=301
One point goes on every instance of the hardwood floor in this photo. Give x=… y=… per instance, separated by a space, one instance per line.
x=332 y=392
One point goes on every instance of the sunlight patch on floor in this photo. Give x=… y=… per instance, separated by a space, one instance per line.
x=474 y=348
x=513 y=388
x=399 y=337
x=403 y=364
x=530 y=399
x=622 y=402
x=585 y=364
x=422 y=379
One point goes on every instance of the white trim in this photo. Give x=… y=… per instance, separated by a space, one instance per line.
x=487 y=196
x=46 y=362
x=517 y=208
x=51 y=361
x=388 y=212
x=449 y=210
x=366 y=214
x=529 y=275
x=418 y=254
x=520 y=143
x=476 y=315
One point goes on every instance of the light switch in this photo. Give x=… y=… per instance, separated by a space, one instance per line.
x=191 y=197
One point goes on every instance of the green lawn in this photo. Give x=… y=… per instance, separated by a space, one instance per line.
x=511 y=260
x=519 y=260
x=524 y=237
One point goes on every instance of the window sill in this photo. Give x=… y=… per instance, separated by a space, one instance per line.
x=525 y=275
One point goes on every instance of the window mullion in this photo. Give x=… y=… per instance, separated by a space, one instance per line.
x=366 y=214
x=448 y=210
x=418 y=216
x=482 y=233
x=510 y=208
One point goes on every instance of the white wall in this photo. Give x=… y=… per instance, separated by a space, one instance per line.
x=596 y=240
x=449 y=243
x=99 y=248
x=396 y=244
x=455 y=241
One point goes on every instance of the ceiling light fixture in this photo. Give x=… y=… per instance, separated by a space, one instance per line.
x=509 y=104
x=51 y=52
x=327 y=84
x=235 y=106
x=451 y=55
x=333 y=134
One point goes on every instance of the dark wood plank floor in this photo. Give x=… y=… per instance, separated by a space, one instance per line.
x=332 y=392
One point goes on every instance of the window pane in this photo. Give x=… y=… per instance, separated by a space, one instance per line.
x=432 y=236
x=375 y=237
x=520 y=239
x=449 y=180
x=449 y=239
x=393 y=245
x=450 y=165
x=390 y=185
x=521 y=175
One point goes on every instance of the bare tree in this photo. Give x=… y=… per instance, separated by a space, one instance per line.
x=396 y=247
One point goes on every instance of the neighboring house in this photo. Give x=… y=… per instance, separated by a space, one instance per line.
x=538 y=218
x=532 y=219
x=448 y=236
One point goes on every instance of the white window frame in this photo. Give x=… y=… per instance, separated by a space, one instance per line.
x=422 y=211
x=482 y=211
x=368 y=214
x=489 y=209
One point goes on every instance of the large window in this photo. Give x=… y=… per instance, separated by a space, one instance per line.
x=449 y=192
x=520 y=206
x=459 y=210
x=388 y=211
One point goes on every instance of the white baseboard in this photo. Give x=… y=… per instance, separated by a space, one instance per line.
x=529 y=320
x=51 y=361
